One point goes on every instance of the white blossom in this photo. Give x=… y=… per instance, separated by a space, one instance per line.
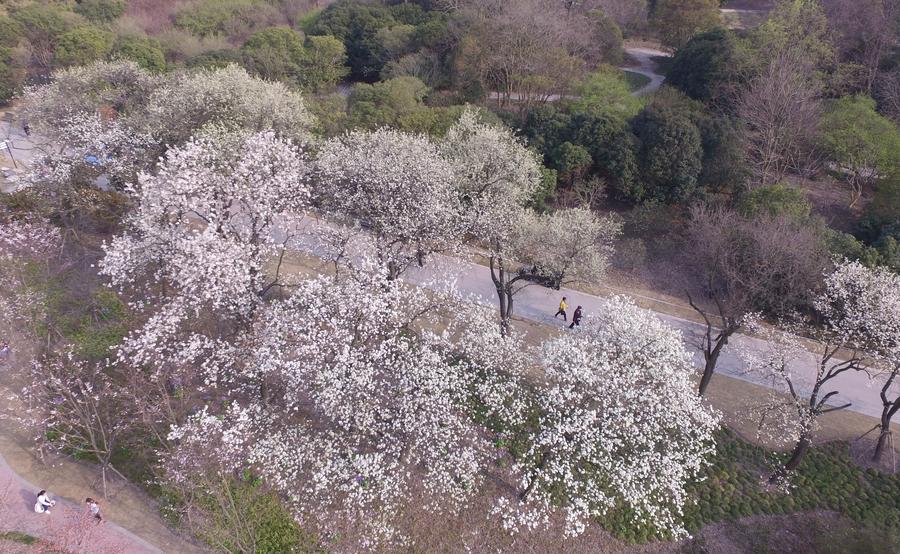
x=620 y=425
x=399 y=187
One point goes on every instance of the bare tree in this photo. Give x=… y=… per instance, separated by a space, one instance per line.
x=780 y=109
x=743 y=266
x=79 y=409
x=890 y=402
x=530 y=50
x=864 y=31
x=887 y=92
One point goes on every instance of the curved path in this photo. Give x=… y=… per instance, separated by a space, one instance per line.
x=646 y=67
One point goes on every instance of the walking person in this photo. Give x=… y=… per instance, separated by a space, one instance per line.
x=576 y=318
x=562 y=309
x=4 y=351
x=26 y=128
x=94 y=509
x=43 y=504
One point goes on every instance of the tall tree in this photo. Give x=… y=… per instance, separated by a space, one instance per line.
x=864 y=304
x=744 y=266
x=399 y=187
x=676 y=21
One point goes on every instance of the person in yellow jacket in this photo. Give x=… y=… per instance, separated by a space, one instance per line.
x=562 y=309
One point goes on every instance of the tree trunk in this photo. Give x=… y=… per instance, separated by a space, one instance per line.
x=393 y=270
x=882 y=442
x=712 y=358
x=796 y=456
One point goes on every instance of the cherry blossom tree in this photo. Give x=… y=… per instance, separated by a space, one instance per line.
x=399 y=187
x=620 y=426
x=864 y=304
x=199 y=242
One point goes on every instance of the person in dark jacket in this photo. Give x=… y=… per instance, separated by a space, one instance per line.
x=576 y=318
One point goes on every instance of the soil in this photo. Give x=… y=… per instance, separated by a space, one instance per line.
x=830 y=199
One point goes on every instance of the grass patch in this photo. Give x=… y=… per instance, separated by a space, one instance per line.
x=827 y=479
x=636 y=81
x=16 y=536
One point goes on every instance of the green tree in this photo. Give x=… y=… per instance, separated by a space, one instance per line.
x=143 y=51
x=383 y=104
x=274 y=54
x=83 y=45
x=607 y=38
x=324 y=63
x=669 y=153
x=43 y=24
x=606 y=91
x=10 y=76
x=210 y=17
x=611 y=145
x=865 y=144
x=101 y=11
x=676 y=21
x=357 y=25
x=572 y=160
x=709 y=67
x=797 y=25
x=724 y=160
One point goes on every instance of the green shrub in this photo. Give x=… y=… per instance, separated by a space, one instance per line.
x=143 y=51
x=776 y=200
x=11 y=31
x=83 y=46
x=101 y=11
x=211 y=17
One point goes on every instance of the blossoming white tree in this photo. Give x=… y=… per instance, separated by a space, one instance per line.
x=366 y=404
x=118 y=89
x=864 y=304
x=94 y=147
x=399 y=187
x=199 y=240
x=497 y=178
x=228 y=97
x=798 y=373
x=620 y=425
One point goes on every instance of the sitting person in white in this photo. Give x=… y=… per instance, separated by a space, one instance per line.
x=43 y=504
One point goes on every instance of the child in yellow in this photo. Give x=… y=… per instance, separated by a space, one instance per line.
x=562 y=309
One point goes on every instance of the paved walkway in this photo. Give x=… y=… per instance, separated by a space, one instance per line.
x=62 y=525
x=646 y=67
x=538 y=304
